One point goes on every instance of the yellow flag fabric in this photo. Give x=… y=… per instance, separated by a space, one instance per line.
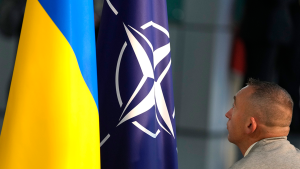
x=51 y=119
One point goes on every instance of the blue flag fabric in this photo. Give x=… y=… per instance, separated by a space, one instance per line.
x=136 y=106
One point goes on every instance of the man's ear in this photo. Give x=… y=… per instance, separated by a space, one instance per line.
x=251 y=126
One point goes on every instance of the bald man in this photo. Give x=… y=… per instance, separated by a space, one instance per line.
x=258 y=123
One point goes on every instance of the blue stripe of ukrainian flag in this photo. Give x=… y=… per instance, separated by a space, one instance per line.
x=75 y=19
x=51 y=119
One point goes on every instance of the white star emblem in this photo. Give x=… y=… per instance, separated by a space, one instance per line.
x=155 y=96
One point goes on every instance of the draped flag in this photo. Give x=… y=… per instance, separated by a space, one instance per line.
x=136 y=107
x=51 y=119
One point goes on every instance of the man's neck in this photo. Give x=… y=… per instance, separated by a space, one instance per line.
x=244 y=146
x=249 y=149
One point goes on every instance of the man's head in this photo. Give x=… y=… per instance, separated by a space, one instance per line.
x=260 y=110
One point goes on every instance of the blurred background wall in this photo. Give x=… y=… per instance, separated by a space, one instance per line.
x=201 y=45
x=209 y=57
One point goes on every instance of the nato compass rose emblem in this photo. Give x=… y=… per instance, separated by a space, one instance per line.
x=155 y=96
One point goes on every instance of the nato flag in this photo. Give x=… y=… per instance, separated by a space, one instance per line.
x=136 y=106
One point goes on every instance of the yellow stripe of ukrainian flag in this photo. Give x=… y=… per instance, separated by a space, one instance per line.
x=51 y=120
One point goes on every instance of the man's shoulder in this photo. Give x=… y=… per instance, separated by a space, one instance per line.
x=245 y=163
x=270 y=153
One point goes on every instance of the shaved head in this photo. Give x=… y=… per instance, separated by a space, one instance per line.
x=260 y=110
x=271 y=104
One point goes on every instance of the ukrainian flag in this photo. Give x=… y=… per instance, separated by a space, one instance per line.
x=51 y=120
